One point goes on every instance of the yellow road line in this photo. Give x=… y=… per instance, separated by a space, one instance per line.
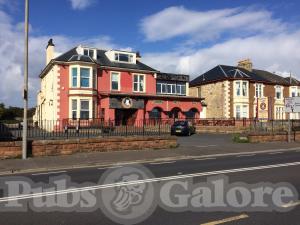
x=230 y=219
x=291 y=204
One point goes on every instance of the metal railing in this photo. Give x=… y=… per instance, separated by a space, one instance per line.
x=69 y=128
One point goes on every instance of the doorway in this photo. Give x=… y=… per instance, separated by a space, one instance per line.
x=125 y=116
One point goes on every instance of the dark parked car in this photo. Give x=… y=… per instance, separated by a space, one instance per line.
x=183 y=127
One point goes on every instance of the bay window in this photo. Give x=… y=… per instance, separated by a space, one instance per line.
x=84 y=77
x=74 y=109
x=138 y=83
x=115 y=81
x=80 y=77
x=294 y=91
x=84 y=109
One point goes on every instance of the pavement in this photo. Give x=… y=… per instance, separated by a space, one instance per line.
x=271 y=168
x=195 y=146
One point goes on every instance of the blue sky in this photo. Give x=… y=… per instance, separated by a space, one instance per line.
x=174 y=36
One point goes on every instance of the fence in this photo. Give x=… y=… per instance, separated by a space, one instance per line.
x=68 y=128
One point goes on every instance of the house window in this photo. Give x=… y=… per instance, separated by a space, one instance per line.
x=238 y=88
x=258 y=91
x=278 y=92
x=122 y=57
x=181 y=89
x=238 y=111
x=171 y=88
x=95 y=78
x=89 y=52
x=74 y=77
x=84 y=109
x=74 y=109
x=138 y=83
x=244 y=88
x=115 y=81
x=84 y=77
x=293 y=91
x=245 y=111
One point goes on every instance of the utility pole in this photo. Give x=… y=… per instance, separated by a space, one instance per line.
x=25 y=90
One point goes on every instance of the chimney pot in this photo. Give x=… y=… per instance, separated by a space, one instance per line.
x=49 y=51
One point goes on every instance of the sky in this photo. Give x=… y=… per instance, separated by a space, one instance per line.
x=188 y=37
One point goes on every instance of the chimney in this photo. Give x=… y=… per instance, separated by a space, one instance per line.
x=49 y=51
x=138 y=56
x=245 y=64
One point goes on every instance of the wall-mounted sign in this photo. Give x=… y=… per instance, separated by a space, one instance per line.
x=127 y=103
x=292 y=104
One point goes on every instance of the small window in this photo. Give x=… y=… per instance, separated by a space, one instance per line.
x=95 y=78
x=74 y=109
x=89 y=52
x=84 y=109
x=258 y=91
x=74 y=77
x=115 y=77
x=84 y=77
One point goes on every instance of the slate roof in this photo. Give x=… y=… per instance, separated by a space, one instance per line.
x=223 y=72
x=102 y=60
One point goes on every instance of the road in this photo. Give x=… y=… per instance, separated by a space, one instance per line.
x=251 y=169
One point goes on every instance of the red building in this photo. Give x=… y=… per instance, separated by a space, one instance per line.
x=87 y=83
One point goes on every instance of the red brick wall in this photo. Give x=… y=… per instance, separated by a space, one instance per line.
x=10 y=149
x=71 y=146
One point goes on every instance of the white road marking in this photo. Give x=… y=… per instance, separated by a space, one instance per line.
x=202 y=159
x=119 y=184
x=226 y=220
x=205 y=146
x=249 y=155
x=179 y=173
x=46 y=173
x=291 y=204
x=159 y=163
x=110 y=167
x=275 y=153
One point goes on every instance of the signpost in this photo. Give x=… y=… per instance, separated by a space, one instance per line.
x=292 y=105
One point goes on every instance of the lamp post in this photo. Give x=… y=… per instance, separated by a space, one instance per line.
x=25 y=90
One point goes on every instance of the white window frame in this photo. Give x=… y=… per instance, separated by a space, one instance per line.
x=259 y=93
x=246 y=89
x=281 y=92
x=117 y=57
x=243 y=110
x=144 y=85
x=91 y=69
x=295 y=90
x=78 y=108
x=238 y=86
x=90 y=50
x=119 y=80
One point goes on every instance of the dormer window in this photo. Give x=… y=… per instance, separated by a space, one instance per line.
x=123 y=57
x=89 y=52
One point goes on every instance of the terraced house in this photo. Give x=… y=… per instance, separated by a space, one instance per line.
x=236 y=91
x=86 y=83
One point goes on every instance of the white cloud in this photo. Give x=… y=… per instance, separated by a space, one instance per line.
x=206 y=25
x=81 y=4
x=275 y=53
x=12 y=58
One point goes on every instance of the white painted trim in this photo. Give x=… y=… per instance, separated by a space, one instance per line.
x=119 y=81
x=78 y=76
x=90 y=99
x=132 y=79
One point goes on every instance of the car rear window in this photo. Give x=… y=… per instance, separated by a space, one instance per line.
x=181 y=123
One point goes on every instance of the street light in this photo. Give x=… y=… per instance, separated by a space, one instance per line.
x=25 y=90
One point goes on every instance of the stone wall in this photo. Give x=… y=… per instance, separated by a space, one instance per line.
x=214 y=95
x=256 y=138
x=221 y=129
x=71 y=146
x=10 y=149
